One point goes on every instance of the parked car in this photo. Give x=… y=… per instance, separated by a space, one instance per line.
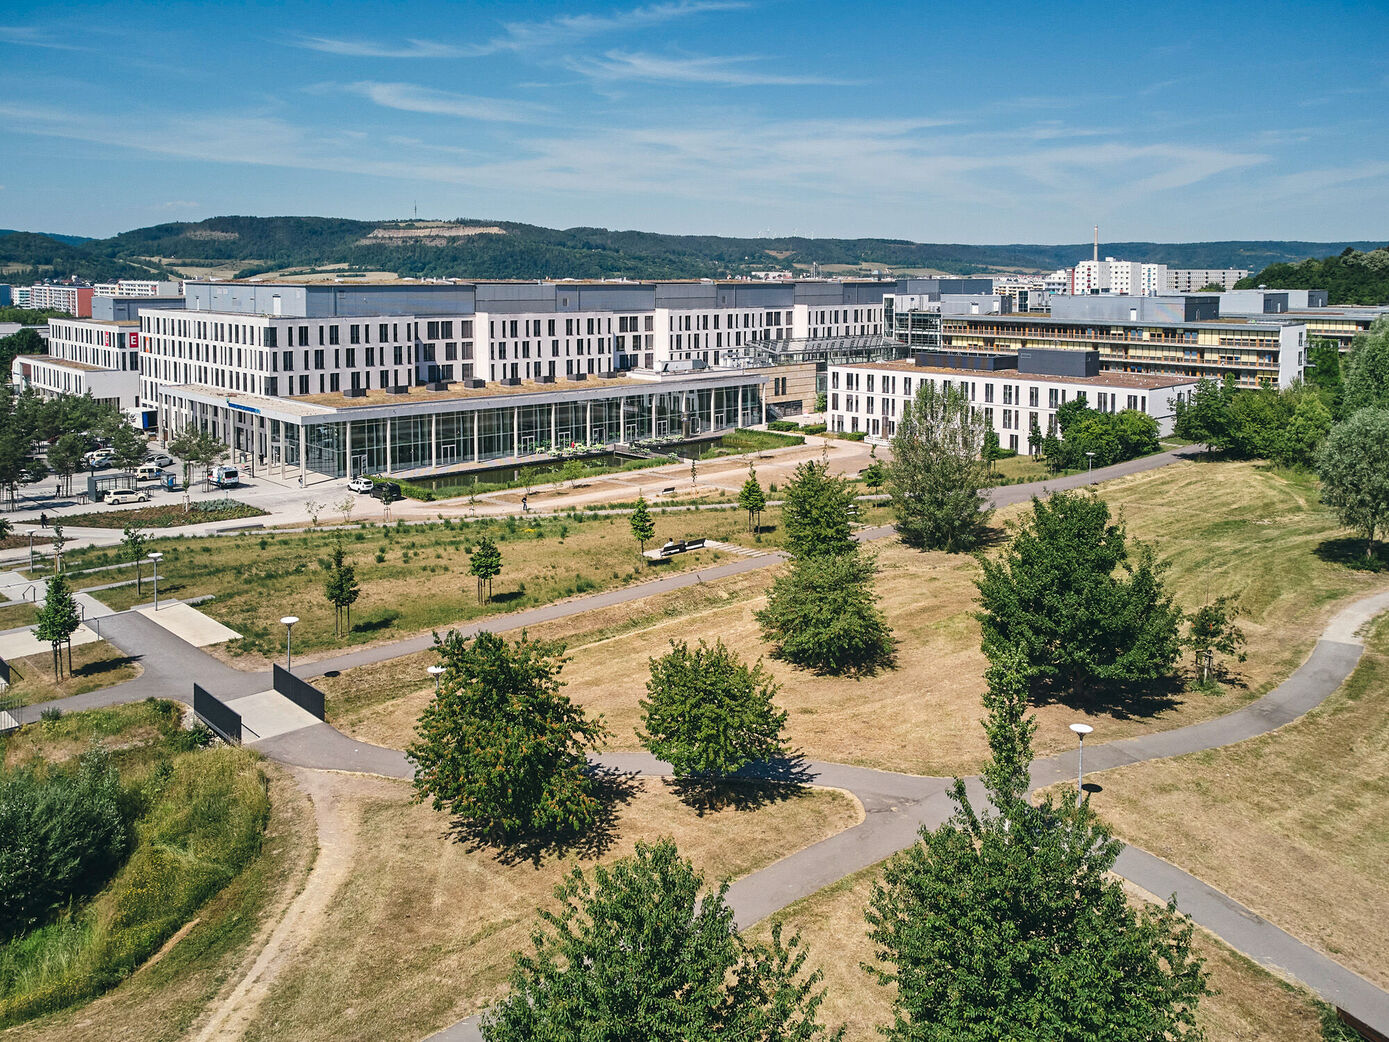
x=360 y=484
x=126 y=495
x=99 y=458
x=160 y=459
x=386 y=491
x=149 y=472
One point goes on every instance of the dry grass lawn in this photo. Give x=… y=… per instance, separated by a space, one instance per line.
x=94 y=665
x=1226 y=527
x=1251 y=1003
x=1284 y=820
x=422 y=930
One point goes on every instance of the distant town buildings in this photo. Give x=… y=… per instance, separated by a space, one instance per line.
x=138 y=288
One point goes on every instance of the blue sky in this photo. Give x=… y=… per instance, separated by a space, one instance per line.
x=941 y=123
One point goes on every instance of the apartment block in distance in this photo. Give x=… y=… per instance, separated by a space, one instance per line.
x=1154 y=336
x=1015 y=392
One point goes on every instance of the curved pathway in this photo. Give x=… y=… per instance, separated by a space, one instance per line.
x=896 y=806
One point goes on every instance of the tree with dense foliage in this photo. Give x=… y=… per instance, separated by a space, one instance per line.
x=645 y=950
x=1353 y=465
x=341 y=589
x=1367 y=369
x=708 y=714
x=1084 y=608
x=20 y=342
x=643 y=524
x=485 y=564
x=937 y=475
x=128 y=448
x=63 y=833
x=58 y=620
x=501 y=747
x=1202 y=415
x=1351 y=277
x=815 y=512
x=752 y=499
x=822 y=613
x=65 y=457
x=133 y=543
x=1212 y=287
x=1212 y=630
x=1281 y=424
x=1005 y=925
x=197 y=448
x=1326 y=373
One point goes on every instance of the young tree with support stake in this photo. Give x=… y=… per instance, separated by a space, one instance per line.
x=485 y=565
x=1212 y=629
x=341 y=590
x=58 y=620
x=133 y=543
x=643 y=525
x=752 y=499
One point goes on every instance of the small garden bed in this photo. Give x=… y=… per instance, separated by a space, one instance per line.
x=165 y=515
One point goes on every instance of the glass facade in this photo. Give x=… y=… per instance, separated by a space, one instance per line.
x=444 y=440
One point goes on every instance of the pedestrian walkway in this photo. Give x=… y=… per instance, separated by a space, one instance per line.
x=741 y=551
x=187 y=623
x=23 y=643
x=269 y=714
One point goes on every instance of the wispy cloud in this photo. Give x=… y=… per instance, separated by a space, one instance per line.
x=410 y=97
x=732 y=71
x=34 y=36
x=524 y=35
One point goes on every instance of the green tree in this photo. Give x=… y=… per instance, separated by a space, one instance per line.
x=197 y=448
x=937 y=474
x=1006 y=925
x=708 y=714
x=572 y=472
x=752 y=499
x=1324 y=372
x=58 y=620
x=815 y=511
x=58 y=541
x=1082 y=608
x=822 y=613
x=128 y=447
x=1354 y=470
x=1212 y=287
x=1367 y=369
x=1212 y=630
x=694 y=470
x=133 y=543
x=485 y=564
x=341 y=589
x=65 y=457
x=63 y=833
x=643 y=524
x=645 y=950
x=1203 y=416
x=822 y=401
x=501 y=747
x=1295 y=441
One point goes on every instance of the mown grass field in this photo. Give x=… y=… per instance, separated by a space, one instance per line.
x=1293 y=824
x=201 y=815
x=420 y=930
x=1250 y=1002
x=1225 y=527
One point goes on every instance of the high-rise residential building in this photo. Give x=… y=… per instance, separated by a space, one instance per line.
x=1191 y=280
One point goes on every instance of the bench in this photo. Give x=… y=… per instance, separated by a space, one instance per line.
x=672 y=548
x=668 y=491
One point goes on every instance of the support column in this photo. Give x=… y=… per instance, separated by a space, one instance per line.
x=303 y=456
x=762 y=395
x=653 y=414
x=347 y=449
x=554 y=426
x=713 y=397
x=387 y=421
x=515 y=430
x=588 y=420
x=477 y=436
x=434 y=441
x=740 y=405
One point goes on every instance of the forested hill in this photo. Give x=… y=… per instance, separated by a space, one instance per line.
x=483 y=249
x=1351 y=277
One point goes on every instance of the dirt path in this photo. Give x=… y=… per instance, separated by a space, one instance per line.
x=337 y=841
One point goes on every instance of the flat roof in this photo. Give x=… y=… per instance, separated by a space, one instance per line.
x=87 y=320
x=1270 y=322
x=1136 y=381
x=457 y=392
x=64 y=363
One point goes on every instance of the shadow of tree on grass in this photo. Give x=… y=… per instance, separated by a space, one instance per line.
x=1350 y=553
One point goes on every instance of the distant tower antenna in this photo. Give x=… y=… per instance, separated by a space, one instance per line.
x=417 y=217
x=1097 y=244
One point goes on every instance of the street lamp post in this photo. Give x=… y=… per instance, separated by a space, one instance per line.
x=289 y=621
x=31 y=550
x=155 y=557
x=436 y=672
x=1081 y=730
x=1090 y=463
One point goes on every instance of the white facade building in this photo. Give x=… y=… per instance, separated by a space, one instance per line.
x=1189 y=280
x=1120 y=277
x=138 y=288
x=871 y=397
x=85 y=357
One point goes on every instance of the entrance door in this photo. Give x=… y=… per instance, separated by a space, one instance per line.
x=448 y=455
x=528 y=445
x=662 y=428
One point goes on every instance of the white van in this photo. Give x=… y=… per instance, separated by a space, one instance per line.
x=148 y=472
